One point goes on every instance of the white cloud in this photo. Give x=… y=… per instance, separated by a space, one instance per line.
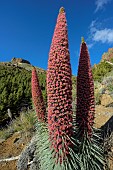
x=99 y=34
x=90 y=45
x=105 y=35
x=93 y=26
x=100 y=4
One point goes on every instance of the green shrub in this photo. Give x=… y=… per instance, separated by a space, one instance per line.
x=101 y=70
x=15 y=90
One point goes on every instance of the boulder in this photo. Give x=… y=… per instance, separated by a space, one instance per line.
x=102 y=115
x=19 y=60
x=106 y=100
x=108 y=55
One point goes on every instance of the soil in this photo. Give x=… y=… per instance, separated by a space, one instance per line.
x=8 y=165
x=12 y=147
x=102 y=115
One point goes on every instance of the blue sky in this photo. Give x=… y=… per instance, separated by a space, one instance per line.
x=27 y=26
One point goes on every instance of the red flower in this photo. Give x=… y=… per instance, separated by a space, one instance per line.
x=85 y=93
x=59 y=86
x=37 y=97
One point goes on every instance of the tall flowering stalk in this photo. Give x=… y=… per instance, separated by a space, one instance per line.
x=37 y=97
x=59 y=90
x=85 y=93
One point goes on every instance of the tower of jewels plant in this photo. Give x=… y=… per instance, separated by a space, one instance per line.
x=85 y=93
x=59 y=145
x=42 y=150
x=37 y=97
x=59 y=90
x=91 y=153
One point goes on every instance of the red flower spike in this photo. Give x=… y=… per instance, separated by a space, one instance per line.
x=85 y=93
x=37 y=97
x=59 y=86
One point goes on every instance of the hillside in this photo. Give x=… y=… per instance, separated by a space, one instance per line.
x=105 y=66
x=15 y=80
x=15 y=93
x=15 y=88
x=108 y=56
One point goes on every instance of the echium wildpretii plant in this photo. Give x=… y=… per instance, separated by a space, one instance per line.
x=64 y=144
x=37 y=97
x=42 y=150
x=59 y=91
x=90 y=149
x=85 y=93
x=54 y=145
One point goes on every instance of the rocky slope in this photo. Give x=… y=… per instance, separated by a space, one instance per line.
x=16 y=144
x=15 y=87
x=108 y=56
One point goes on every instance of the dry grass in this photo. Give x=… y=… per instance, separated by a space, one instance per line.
x=24 y=123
